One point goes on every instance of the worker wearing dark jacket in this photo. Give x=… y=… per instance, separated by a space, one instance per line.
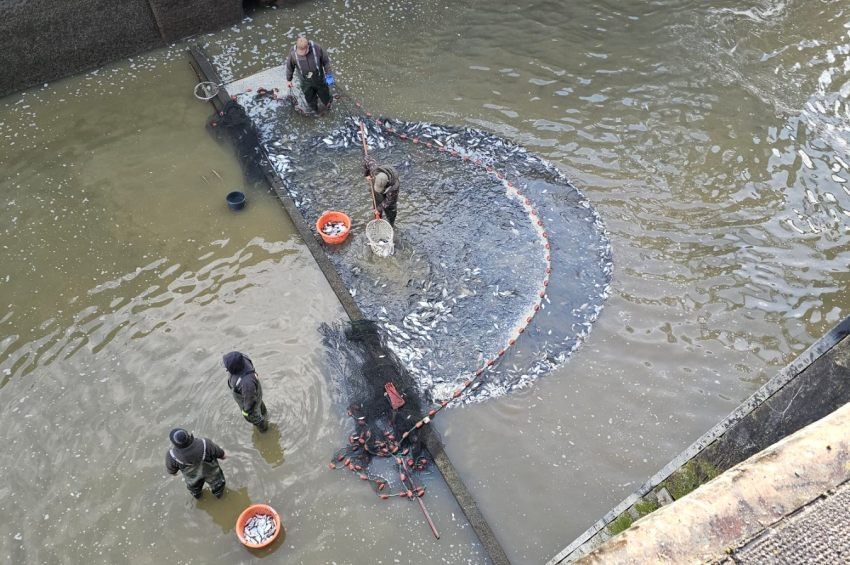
x=385 y=187
x=197 y=459
x=246 y=388
x=316 y=73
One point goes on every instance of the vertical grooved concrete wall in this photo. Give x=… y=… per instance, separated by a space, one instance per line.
x=42 y=40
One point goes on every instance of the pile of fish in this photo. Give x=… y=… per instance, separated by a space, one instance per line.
x=259 y=529
x=334 y=228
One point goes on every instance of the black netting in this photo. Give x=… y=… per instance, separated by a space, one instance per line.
x=233 y=125
x=384 y=446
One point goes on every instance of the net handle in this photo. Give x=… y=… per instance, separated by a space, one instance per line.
x=369 y=179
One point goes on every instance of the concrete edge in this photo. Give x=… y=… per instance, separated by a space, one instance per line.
x=775 y=384
x=206 y=72
x=706 y=524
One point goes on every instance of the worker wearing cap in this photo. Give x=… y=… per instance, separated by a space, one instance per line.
x=315 y=68
x=246 y=388
x=197 y=459
x=385 y=187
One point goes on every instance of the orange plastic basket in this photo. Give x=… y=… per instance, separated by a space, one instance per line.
x=249 y=513
x=333 y=216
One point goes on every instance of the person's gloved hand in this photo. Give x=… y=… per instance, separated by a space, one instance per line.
x=368 y=165
x=245 y=414
x=329 y=79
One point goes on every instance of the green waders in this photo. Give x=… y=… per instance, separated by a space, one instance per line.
x=257 y=415
x=202 y=472
x=314 y=87
x=389 y=212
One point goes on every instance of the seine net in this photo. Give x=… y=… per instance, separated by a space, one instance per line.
x=384 y=447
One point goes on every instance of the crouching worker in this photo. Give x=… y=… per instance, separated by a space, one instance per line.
x=246 y=389
x=385 y=187
x=197 y=459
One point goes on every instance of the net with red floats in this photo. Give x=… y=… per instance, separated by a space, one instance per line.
x=383 y=403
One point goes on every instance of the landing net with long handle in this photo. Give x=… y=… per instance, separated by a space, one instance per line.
x=379 y=232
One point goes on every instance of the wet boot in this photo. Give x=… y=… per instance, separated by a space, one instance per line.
x=215 y=478
x=263 y=426
x=195 y=484
x=220 y=492
x=390 y=215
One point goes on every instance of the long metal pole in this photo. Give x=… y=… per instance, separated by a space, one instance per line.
x=369 y=179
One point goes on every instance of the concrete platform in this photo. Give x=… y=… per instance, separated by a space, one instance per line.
x=786 y=504
x=808 y=389
x=818 y=533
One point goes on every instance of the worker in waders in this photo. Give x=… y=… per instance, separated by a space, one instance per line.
x=315 y=69
x=246 y=389
x=197 y=459
x=385 y=187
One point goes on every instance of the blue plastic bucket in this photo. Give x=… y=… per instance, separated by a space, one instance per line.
x=236 y=200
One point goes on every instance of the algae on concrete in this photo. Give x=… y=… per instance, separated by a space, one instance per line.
x=691 y=475
x=644 y=507
x=621 y=523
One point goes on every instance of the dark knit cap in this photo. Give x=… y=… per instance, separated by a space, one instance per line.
x=180 y=437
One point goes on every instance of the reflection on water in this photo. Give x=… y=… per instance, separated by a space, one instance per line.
x=224 y=511
x=269 y=444
x=710 y=136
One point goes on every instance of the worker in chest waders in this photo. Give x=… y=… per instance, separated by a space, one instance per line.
x=385 y=187
x=246 y=388
x=315 y=69
x=197 y=459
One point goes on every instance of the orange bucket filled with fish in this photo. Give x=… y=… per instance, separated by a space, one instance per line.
x=333 y=226
x=258 y=526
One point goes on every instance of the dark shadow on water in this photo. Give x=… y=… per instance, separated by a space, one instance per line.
x=269 y=446
x=225 y=510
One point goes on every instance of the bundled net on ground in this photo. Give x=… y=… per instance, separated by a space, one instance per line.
x=384 y=448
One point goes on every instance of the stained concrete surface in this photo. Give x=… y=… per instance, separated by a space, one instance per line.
x=751 y=506
x=42 y=40
x=818 y=533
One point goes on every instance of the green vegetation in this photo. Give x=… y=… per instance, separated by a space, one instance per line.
x=691 y=475
x=645 y=507
x=694 y=473
x=622 y=522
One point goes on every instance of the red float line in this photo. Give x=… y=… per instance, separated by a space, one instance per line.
x=544 y=238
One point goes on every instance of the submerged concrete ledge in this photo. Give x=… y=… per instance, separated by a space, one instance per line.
x=713 y=522
x=811 y=387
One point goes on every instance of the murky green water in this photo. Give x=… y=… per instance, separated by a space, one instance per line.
x=711 y=137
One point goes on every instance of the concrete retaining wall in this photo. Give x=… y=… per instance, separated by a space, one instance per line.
x=744 y=502
x=43 y=40
x=811 y=387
